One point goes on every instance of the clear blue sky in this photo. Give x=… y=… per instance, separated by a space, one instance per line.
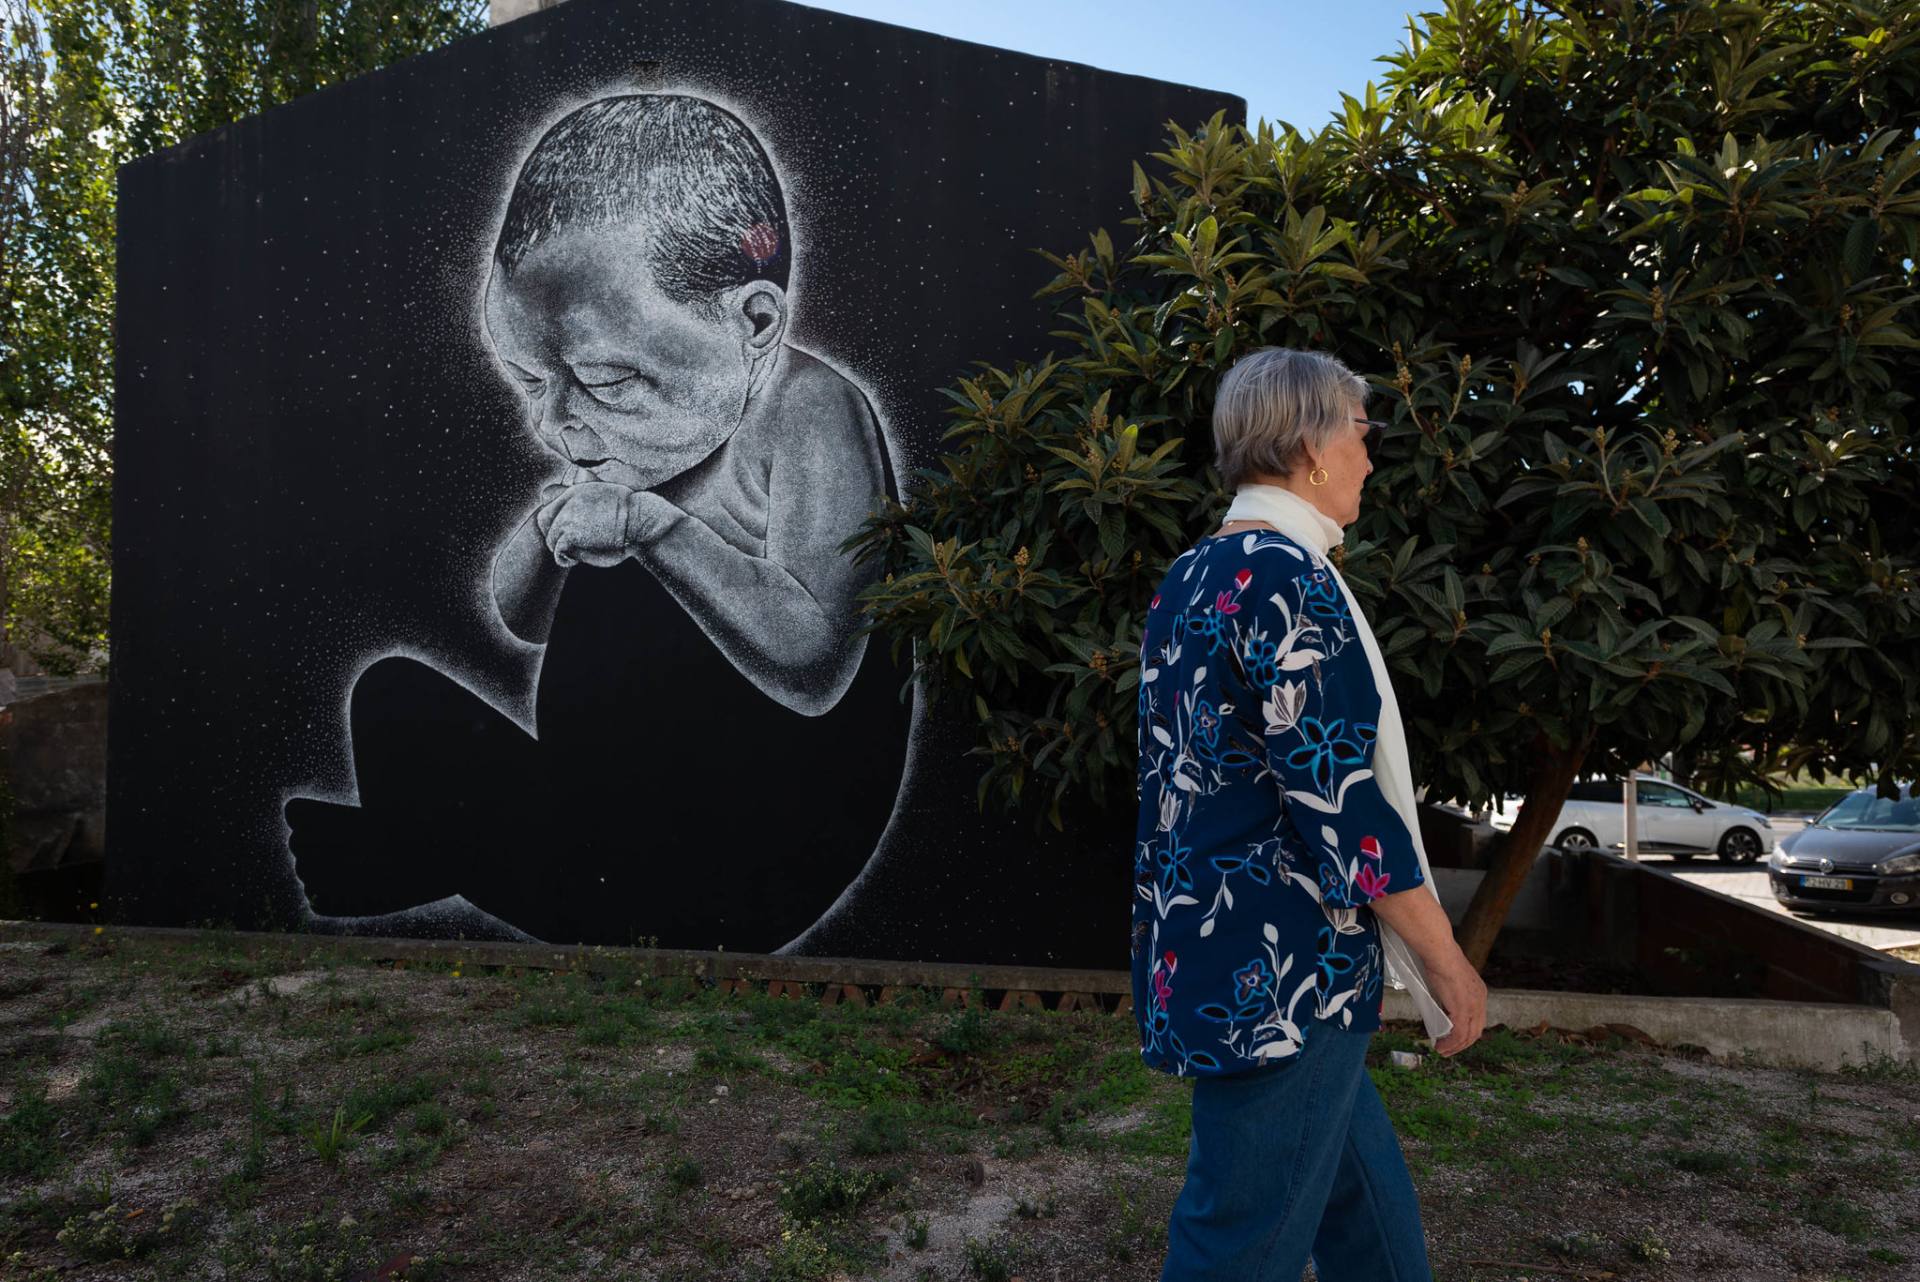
x=1290 y=59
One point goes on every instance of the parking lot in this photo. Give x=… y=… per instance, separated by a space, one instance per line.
x=1749 y=882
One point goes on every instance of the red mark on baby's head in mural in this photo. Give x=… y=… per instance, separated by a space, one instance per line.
x=761 y=243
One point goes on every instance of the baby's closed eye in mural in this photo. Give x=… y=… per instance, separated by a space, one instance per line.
x=712 y=733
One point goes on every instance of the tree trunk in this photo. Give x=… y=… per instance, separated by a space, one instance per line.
x=1547 y=788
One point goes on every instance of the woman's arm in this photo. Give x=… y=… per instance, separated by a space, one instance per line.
x=1419 y=919
x=1322 y=715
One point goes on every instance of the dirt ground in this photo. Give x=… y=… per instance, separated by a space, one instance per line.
x=220 y=1110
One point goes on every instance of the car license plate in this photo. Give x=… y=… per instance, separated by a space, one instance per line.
x=1827 y=883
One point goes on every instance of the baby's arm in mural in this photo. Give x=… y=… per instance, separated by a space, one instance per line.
x=786 y=618
x=526 y=578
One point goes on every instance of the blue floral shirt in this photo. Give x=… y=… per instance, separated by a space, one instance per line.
x=1263 y=833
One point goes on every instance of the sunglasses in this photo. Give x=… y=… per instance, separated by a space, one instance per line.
x=1376 y=429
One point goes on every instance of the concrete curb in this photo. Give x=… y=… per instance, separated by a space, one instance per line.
x=1755 y=1031
x=1771 y=1034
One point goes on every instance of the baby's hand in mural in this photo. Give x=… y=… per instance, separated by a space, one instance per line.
x=589 y=523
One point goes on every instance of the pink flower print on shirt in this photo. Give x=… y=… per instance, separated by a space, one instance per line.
x=1162 y=973
x=1223 y=602
x=1371 y=883
x=1370 y=847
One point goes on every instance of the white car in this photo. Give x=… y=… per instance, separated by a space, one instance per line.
x=1671 y=820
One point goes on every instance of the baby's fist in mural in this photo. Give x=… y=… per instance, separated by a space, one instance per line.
x=594 y=522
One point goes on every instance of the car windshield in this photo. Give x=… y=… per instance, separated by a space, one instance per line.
x=1866 y=810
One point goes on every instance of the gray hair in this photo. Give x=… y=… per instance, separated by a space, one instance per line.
x=1272 y=402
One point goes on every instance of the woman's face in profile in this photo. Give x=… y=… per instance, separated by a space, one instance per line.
x=1347 y=466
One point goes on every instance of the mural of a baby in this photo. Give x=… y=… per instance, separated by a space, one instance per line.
x=716 y=749
x=639 y=297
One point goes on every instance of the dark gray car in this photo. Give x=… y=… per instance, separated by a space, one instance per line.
x=1861 y=856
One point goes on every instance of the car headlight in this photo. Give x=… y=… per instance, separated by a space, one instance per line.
x=1777 y=860
x=1901 y=864
x=1763 y=821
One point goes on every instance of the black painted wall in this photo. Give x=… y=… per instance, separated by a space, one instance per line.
x=318 y=455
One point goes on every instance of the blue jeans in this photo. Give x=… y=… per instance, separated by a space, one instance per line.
x=1291 y=1161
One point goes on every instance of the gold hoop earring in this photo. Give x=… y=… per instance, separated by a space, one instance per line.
x=1321 y=472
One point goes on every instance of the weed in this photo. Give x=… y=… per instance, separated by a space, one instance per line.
x=146 y=1035
x=1703 y=1161
x=1127 y=1226
x=99 y=1189
x=1028 y=1209
x=685 y=1174
x=1649 y=1248
x=28 y=1145
x=429 y=1118
x=617 y=1022
x=721 y=1055
x=330 y=1140
x=884 y=1127
x=827 y=1191
x=109 y=1233
x=387 y=1100
x=410 y=1198
x=314 y=1250
x=1579 y=1244
x=990 y=1262
x=239 y=1186
x=1059 y=1112
x=969 y=1031
x=379 y=1041
x=1877 y=1066
x=803 y=1255
x=917 y=1226
x=128 y=1093
x=1015 y=1147
x=1839 y=1216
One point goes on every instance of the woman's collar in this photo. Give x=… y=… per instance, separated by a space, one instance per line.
x=1293 y=516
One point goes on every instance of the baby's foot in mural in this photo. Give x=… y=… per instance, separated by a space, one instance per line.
x=346 y=865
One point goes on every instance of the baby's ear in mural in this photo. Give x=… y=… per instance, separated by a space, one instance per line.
x=757 y=311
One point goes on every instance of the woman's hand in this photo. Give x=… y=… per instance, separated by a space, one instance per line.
x=1451 y=978
x=1457 y=986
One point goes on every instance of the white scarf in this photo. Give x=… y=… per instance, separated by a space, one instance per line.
x=1313 y=529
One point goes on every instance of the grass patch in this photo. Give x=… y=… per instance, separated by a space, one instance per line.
x=1703 y=1161
x=125 y=1093
x=29 y=1145
x=1839 y=1216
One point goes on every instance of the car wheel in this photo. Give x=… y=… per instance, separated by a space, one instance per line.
x=1739 y=846
x=1575 y=839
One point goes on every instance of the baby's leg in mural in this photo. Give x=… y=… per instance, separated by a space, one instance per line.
x=443 y=779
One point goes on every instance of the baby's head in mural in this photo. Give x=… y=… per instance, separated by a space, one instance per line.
x=639 y=298
x=639 y=284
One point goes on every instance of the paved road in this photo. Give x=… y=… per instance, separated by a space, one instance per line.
x=1750 y=883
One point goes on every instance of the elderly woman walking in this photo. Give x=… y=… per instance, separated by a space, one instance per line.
x=1279 y=880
